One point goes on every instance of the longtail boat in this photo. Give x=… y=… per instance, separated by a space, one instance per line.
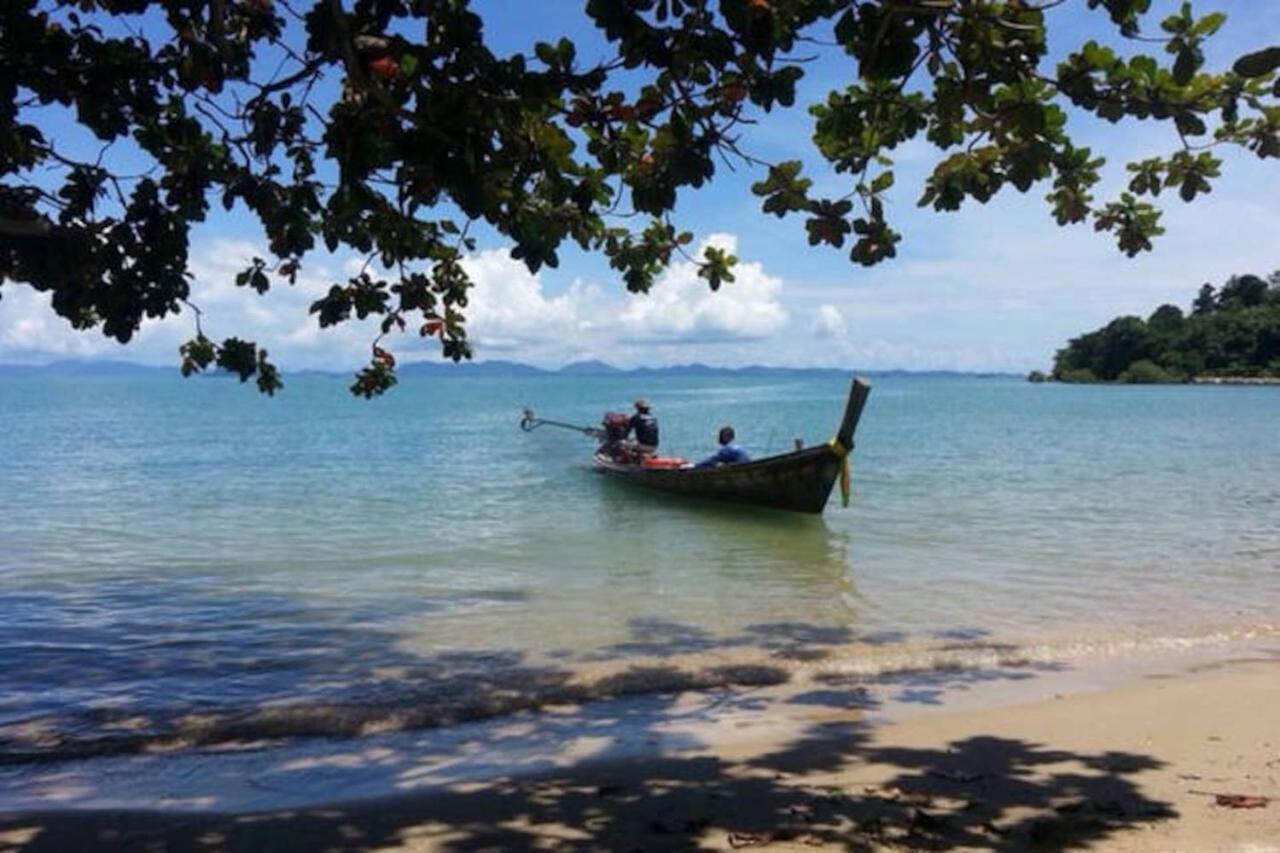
x=800 y=480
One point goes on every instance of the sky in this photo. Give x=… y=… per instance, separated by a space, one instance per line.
x=995 y=287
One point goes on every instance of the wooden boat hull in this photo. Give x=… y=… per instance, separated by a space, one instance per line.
x=800 y=481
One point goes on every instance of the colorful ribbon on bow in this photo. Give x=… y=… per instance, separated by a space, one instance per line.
x=846 y=483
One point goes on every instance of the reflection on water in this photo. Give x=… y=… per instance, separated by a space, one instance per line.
x=745 y=541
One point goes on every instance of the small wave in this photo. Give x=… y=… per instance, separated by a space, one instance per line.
x=946 y=661
x=116 y=732
x=905 y=658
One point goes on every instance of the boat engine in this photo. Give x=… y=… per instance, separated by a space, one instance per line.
x=616 y=426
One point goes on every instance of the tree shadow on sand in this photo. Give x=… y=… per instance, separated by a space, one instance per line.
x=984 y=791
x=657 y=787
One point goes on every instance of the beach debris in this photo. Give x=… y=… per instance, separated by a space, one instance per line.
x=1242 y=801
x=1236 y=801
x=738 y=840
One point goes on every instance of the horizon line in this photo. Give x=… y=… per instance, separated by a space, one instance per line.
x=592 y=365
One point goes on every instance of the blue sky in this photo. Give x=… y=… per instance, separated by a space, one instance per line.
x=992 y=287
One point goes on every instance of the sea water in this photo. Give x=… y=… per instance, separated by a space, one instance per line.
x=189 y=560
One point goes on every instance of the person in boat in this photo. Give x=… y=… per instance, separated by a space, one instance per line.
x=644 y=426
x=728 y=454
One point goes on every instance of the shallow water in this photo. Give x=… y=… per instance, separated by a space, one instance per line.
x=188 y=556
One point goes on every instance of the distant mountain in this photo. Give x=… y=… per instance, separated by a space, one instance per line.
x=478 y=369
x=469 y=368
x=592 y=367
x=109 y=367
x=753 y=370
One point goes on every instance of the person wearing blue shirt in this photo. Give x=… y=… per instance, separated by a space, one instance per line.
x=729 y=452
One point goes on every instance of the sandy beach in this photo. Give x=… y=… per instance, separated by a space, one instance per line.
x=1176 y=753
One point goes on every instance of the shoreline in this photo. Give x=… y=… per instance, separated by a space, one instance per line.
x=1235 y=380
x=802 y=657
x=1108 y=753
x=1190 y=380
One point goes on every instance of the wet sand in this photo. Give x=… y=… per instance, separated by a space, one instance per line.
x=1133 y=759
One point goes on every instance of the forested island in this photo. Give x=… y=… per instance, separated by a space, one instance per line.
x=1230 y=334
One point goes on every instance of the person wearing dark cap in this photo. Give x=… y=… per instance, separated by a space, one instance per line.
x=645 y=427
x=728 y=454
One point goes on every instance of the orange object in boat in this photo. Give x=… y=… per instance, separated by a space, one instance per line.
x=664 y=462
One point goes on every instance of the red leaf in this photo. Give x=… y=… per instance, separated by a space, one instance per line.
x=385 y=67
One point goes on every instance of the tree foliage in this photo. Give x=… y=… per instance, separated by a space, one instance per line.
x=387 y=127
x=1234 y=331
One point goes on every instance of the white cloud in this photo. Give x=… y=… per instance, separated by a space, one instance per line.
x=682 y=308
x=30 y=331
x=510 y=314
x=278 y=320
x=508 y=308
x=828 y=323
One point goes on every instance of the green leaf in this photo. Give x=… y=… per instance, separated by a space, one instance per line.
x=716 y=266
x=1189 y=124
x=1258 y=63
x=546 y=52
x=259 y=281
x=197 y=354
x=238 y=357
x=1184 y=67
x=566 y=52
x=1209 y=24
x=373 y=380
x=784 y=190
x=847 y=28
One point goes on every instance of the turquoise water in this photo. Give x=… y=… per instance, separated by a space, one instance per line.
x=185 y=554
